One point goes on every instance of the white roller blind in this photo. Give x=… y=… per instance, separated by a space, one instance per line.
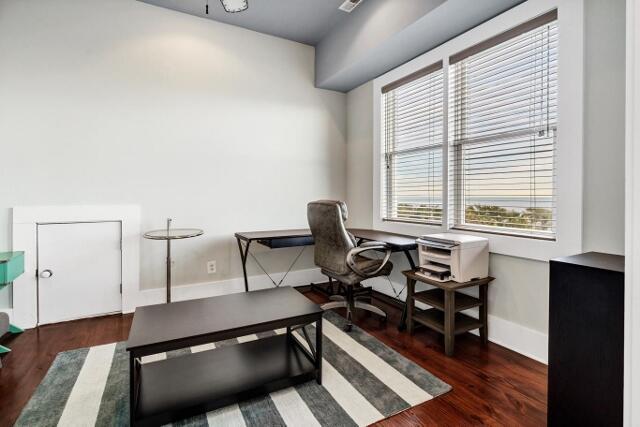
x=411 y=167
x=503 y=125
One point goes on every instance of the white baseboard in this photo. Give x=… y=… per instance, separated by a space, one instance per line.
x=528 y=342
x=230 y=286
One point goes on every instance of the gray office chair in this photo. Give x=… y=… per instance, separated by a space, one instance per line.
x=339 y=257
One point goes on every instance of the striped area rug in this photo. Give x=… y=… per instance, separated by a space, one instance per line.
x=364 y=381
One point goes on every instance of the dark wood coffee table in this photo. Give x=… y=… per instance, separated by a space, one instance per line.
x=175 y=388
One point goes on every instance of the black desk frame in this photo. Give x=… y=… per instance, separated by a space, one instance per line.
x=294 y=238
x=278 y=239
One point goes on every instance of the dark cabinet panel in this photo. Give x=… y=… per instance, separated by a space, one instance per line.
x=586 y=340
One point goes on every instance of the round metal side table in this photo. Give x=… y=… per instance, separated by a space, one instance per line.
x=170 y=234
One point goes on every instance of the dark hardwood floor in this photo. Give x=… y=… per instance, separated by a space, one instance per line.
x=491 y=385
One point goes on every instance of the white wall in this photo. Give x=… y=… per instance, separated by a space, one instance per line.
x=632 y=244
x=122 y=102
x=518 y=298
x=360 y=156
x=603 y=215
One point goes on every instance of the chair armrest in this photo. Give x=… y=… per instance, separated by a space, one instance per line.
x=367 y=246
x=372 y=244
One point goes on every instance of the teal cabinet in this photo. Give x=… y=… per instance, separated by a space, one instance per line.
x=11 y=266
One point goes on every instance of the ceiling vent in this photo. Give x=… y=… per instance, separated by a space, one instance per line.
x=349 y=5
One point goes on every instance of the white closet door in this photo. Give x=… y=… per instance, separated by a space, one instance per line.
x=79 y=270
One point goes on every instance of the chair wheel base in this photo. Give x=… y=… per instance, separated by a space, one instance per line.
x=352 y=302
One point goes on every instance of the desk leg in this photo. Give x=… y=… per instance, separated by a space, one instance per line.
x=244 y=252
x=403 y=317
x=484 y=331
x=449 y=321
x=319 y=351
x=168 y=271
x=133 y=388
x=411 y=304
x=410 y=259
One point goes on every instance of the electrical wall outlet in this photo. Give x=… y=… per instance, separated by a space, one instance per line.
x=211 y=267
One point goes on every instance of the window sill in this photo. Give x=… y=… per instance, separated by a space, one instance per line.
x=408 y=221
x=498 y=232
x=521 y=246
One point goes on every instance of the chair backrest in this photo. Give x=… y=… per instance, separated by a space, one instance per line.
x=332 y=241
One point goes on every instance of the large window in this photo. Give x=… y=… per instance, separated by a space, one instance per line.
x=412 y=150
x=503 y=124
x=500 y=137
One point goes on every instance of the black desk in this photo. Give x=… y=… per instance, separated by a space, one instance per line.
x=302 y=237
x=272 y=239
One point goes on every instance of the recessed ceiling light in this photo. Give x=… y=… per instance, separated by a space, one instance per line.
x=233 y=6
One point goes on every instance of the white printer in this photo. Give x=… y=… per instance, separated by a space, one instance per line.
x=449 y=256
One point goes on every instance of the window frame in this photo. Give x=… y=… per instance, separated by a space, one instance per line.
x=568 y=237
x=395 y=153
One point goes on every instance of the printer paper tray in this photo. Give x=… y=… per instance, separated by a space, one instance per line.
x=435 y=268
x=430 y=276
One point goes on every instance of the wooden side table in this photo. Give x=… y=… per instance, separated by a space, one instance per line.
x=445 y=315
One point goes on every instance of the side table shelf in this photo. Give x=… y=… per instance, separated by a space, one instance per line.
x=434 y=319
x=435 y=298
x=445 y=315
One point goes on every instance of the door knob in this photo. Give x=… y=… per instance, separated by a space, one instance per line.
x=46 y=274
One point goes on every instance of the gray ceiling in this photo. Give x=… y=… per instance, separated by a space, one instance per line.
x=352 y=48
x=304 y=21
x=383 y=34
